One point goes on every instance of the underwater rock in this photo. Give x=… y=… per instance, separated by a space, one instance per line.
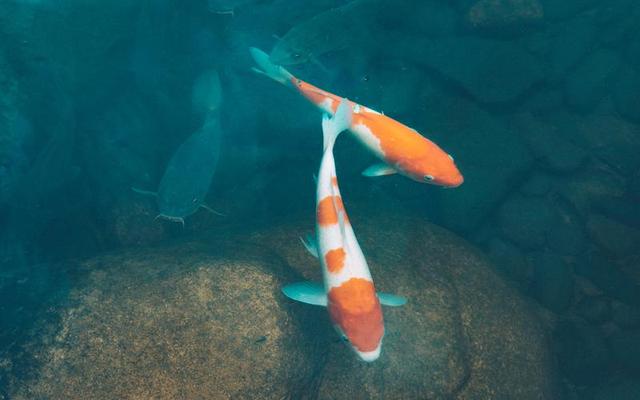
x=613 y=237
x=595 y=309
x=609 y=277
x=131 y=222
x=583 y=352
x=552 y=281
x=591 y=80
x=620 y=389
x=491 y=71
x=613 y=141
x=625 y=346
x=15 y=132
x=556 y=10
x=567 y=235
x=509 y=261
x=206 y=319
x=626 y=94
x=563 y=46
x=539 y=184
x=634 y=187
x=526 y=221
x=180 y=322
x=552 y=150
x=543 y=101
x=589 y=186
x=469 y=134
x=625 y=316
x=496 y=15
x=625 y=210
x=427 y=263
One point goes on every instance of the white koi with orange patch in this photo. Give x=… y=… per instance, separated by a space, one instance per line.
x=402 y=149
x=349 y=292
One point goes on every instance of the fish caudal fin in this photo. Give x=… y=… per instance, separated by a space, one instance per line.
x=331 y=127
x=266 y=67
x=306 y=292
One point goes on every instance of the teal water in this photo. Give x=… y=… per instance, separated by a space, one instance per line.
x=537 y=101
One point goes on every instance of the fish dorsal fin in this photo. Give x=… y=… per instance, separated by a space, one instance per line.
x=331 y=127
x=306 y=292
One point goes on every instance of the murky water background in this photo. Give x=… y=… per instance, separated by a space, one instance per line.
x=524 y=282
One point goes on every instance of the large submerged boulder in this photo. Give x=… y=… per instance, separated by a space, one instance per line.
x=205 y=318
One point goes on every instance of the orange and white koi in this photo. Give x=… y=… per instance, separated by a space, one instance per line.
x=402 y=149
x=348 y=291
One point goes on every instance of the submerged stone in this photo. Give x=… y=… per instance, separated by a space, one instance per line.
x=186 y=321
x=595 y=309
x=469 y=134
x=583 y=351
x=590 y=82
x=625 y=346
x=510 y=261
x=491 y=71
x=613 y=237
x=552 y=281
x=500 y=15
x=526 y=221
x=626 y=94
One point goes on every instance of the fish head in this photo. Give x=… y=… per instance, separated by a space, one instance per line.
x=286 y=53
x=438 y=169
x=178 y=208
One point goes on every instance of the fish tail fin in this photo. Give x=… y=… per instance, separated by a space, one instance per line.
x=266 y=67
x=331 y=127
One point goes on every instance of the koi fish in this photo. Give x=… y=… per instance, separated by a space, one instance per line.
x=400 y=148
x=348 y=291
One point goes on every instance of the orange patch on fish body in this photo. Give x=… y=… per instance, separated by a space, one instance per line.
x=334 y=181
x=355 y=308
x=328 y=209
x=335 y=260
x=410 y=152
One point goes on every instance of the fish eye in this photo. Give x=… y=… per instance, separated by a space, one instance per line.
x=428 y=178
x=298 y=81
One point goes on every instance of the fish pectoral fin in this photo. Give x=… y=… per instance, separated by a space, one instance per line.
x=211 y=210
x=306 y=292
x=144 y=192
x=380 y=169
x=391 y=300
x=310 y=243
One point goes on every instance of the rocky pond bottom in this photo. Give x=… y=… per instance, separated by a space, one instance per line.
x=205 y=318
